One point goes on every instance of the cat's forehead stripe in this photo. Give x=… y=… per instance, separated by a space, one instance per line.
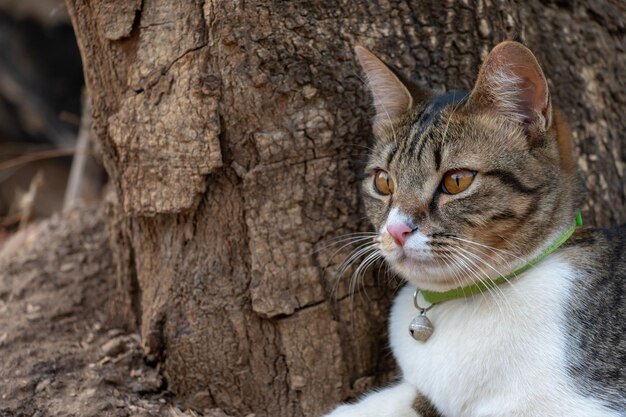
x=428 y=117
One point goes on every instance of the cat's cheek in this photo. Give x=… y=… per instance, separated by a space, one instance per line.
x=393 y=255
x=387 y=243
x=416 y=274
x=388 y=247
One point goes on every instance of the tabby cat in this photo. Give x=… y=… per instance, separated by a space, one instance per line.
x=514 y=311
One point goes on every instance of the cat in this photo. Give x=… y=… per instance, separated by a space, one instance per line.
x=474 y=198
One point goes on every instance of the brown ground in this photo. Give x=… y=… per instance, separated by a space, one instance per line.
x=58 y=355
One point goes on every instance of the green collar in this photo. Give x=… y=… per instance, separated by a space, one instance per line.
x=432 y=297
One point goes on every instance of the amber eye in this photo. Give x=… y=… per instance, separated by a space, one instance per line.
x=383 y=182
x=457 y=180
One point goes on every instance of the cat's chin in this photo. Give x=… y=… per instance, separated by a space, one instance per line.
x=427 y=274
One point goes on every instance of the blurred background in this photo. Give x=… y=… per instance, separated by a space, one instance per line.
x=46 y=159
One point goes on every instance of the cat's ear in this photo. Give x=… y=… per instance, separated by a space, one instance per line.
x=391 y=96
x=511 y=83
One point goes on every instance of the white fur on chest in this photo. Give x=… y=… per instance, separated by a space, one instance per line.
x=499 y=354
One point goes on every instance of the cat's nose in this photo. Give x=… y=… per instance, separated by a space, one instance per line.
x=400 y=232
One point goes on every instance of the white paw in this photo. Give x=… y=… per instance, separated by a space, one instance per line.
x=357 y=410
x=396 y=401
x=349 y=410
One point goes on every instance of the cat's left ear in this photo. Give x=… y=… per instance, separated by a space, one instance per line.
x=511 y=83
x=391 y=96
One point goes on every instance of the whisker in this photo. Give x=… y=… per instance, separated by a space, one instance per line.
x=511 y=283
x=354 y=255
x=351 y=234
x=479 y=245
x=454 y=268
x=488 y=247
x=465 y=266
x=479 y=258
x=361 y=244
x=480 y=280
x=354 y=279
x=392 y=275
x=495 y=286
x=359 y=274
x=352 y=239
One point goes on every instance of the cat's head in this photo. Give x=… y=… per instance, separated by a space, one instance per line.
x=465 y=186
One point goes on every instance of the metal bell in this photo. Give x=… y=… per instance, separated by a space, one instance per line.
x=421 y=328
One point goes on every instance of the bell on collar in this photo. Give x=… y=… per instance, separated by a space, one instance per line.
x=421 y=328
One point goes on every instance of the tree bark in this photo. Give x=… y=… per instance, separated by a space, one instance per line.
x=234 y=132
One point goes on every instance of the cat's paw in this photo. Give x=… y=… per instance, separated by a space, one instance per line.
x=359 y=410
x=346 y=411
x=395 y=401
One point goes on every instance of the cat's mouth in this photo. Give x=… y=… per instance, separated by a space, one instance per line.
x=429 y=266
x=417 y=258
x=426 y=272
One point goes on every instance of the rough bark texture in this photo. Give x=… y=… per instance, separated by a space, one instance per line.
x=233 y=134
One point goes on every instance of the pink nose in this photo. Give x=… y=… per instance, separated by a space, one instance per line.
x=400 y=232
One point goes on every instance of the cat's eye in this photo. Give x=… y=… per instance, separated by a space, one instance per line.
x=383 y=183
x=457 y=180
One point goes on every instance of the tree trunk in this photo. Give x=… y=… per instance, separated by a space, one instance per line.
x=234 y=132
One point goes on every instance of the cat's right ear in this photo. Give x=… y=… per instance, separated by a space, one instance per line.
x=511 y=83
x=391 y=96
